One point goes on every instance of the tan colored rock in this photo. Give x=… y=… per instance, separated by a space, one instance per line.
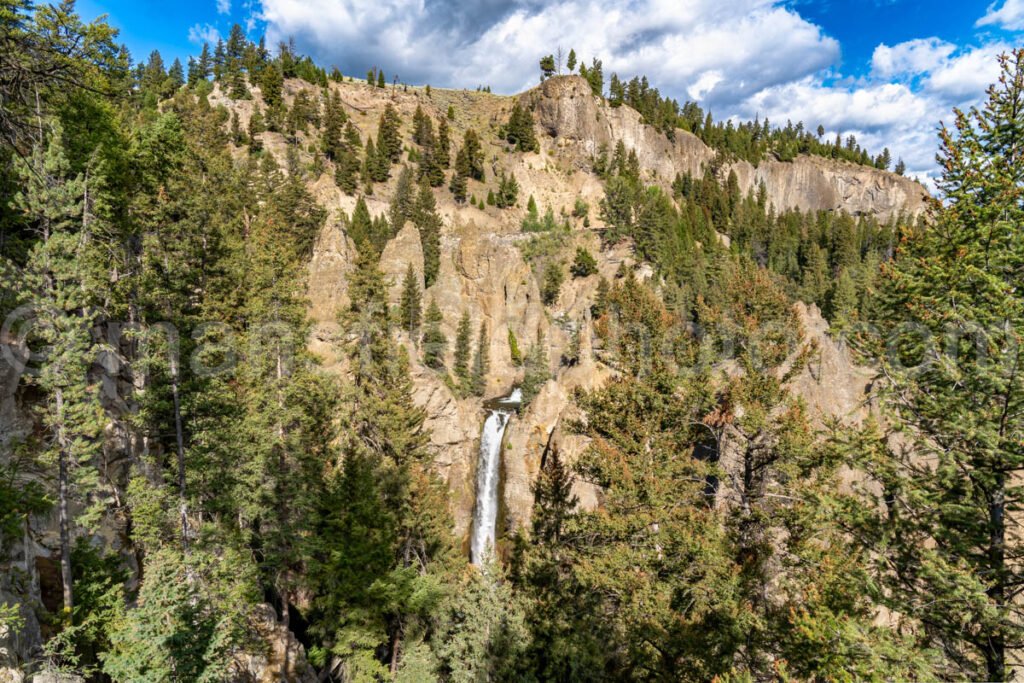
x=406 y=248
x=284 y=658
x=832 y=385
x=568 y=112
x=333 y=258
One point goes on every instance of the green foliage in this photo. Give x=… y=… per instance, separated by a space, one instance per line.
x=481 y=362
x=174 y=633
x=508 y=191
x=945 y=489
x=435 y=344
x=551 y=285
x=547 y=67
x=463 y=340
x=519 y=131
x=410 y=308
x=513 y=348
x=428 y=222
x=469 y=162
x=537 y=371
x=584 y=264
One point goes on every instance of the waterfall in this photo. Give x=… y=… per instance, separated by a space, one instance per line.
x=485 y=516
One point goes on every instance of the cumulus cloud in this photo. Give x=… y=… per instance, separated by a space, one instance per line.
x=223 y=6
x=203 y=33
x=1009 y=16
x=910 y=58
x=740 y=59
x=498 y=43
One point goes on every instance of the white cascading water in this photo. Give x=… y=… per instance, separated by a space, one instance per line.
x=485 y=517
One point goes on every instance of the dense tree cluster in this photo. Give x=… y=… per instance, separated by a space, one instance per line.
x=156 y=255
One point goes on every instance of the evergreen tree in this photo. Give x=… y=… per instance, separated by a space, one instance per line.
x=469 y=162
x=60 y=283
x=481 y=362
x=584 y=264
x=410 y=307
x=174 y=633
x=389 y=140
x=428 y=222
x=435 y=344
x=571 y=63
x=519 y=130
x=940 y=523
x=334 y=119
x=508 y=191
x=444 y=144
x=176 y=74
x=463 y=334
x=204 y=66
x=815 y=279
x=551 y=287
x=385 y=533
x=458 y=188
x=843 y=304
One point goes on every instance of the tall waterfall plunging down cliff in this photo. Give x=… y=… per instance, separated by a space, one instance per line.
x=485 y=517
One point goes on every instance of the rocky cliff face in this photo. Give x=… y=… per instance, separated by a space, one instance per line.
x=483 y=271
x=580 y=123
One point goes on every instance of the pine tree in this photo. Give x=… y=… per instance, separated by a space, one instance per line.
x=410 y=307
x=204 y=66
x=271 y=86
x=174 y=633
x=428 y=222
x=444 y=144
x=403 y=204
x=551 y=287
x=389 y=140
x=435 y=344
x=815 y=280
x=463 y=335
x=360 y=226
x=334 y=119
x=842 y=308
x=458 y=188
x=571 y=62
x=176 y=75
x=942 y=526
x=583 y=264
x=384 y=520
x=508 y=191
x=519 y=130
x=60 y=283
x=537 y=372
x=469 y=162
x=481 y=362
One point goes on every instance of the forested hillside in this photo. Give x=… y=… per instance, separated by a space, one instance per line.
x=257 y=314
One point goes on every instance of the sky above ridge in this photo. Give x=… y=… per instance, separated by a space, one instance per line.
x=885 y=70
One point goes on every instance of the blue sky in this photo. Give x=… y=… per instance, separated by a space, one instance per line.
x=885 y=70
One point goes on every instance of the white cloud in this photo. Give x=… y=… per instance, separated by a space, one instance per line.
x=223 y=6
x=1010 y=16
x=497 y=43
x=967 y=75
x=740 y=59
x=909 y=58
x=203 y=33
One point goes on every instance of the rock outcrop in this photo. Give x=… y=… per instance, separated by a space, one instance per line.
x=580 y=122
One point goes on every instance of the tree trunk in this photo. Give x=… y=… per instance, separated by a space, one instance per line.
x=180 y=437
x=62 y=505
x=995 y=653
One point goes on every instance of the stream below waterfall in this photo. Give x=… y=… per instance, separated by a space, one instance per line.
x=488 y=476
